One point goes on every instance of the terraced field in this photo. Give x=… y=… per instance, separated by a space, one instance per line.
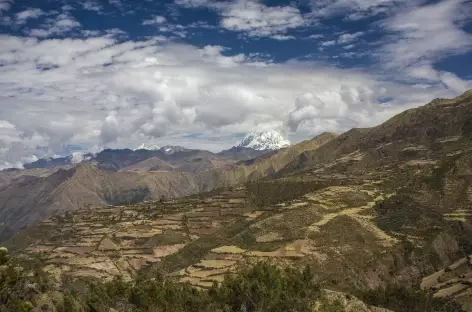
x=200 y=239
x=454 y=281
x=118 y=240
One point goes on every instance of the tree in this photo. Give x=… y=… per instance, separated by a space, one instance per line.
x=3 y=255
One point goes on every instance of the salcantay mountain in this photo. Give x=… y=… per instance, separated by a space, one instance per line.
x=366 y=211
x=265 y=140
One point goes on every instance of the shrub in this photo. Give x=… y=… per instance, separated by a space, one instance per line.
x=400 y=298
x=3 y=255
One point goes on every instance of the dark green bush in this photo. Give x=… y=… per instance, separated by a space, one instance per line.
x=400 y=299
x=267 y=193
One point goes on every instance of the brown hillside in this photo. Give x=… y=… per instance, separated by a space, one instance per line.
x=418 y=130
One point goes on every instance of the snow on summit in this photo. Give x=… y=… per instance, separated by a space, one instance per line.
x=266 y=140
x=148 y=146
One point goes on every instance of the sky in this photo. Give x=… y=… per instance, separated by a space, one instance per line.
x=85 y=75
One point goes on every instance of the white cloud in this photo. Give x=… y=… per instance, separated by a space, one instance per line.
x=97 y=92
x=328 y=43
x=337 y=107
x=315 y=36
x=175 y=29
x=347 y=37
x=155 y=20
x=356 y=9
x=253 y=17
x=91 y=6
x=78 y=157
x=283 y=37
x=343 y=39
x=58 y=25
x=164 y=27
x=426 y=33
x=5 y=5
x=453 y=82
x=352 y=54
x=23 y=16
x=422 y=35
x=117 y=3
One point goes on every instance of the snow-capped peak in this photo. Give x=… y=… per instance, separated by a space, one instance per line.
x=148 y=146
x=170 y=149
x=265 y=140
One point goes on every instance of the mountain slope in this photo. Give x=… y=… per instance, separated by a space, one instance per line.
x=150 y=164
x=242 y=153
x=267 y=166
x=37 y=198
x=413 y=132
x=30 y=199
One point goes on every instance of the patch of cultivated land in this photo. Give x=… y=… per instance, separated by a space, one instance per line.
x=119 y=240
x=222 y=232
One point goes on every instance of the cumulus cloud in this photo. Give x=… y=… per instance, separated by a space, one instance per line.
x=99 y=92
x=78 y=157
x=338 y=108
x=105 y=91
x=167 y=28
x=60 y=24
x=283 y=37
x=16 y=148
x=5 y=5
x=347 y=37
x=343 y=39
x=253 y=17
x=155 y=20
x=23 y=16
x=328 y=43
x=315 y=36
x=91 y=6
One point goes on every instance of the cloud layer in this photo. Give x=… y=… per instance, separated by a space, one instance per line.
x=62 y=84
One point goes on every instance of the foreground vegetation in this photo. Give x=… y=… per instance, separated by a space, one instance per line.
x=262 y=287
x=398 y=298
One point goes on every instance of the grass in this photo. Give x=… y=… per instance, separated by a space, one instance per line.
x=167 y=238
x=228 y=250
x=196 y=250
x=215 y=264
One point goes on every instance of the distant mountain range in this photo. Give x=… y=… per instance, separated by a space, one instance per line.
x=253 y=145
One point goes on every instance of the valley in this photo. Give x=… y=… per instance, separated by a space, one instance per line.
x=366 y=209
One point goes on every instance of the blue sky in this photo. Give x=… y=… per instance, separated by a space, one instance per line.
x=199 y=73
